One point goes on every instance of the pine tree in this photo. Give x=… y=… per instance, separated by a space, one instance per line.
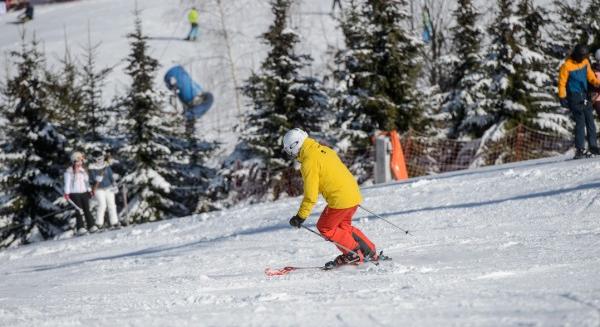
x=544 y=109
x=283 y=98
x=64 y=93
x=94 y=114
x=507 y=100
x=32 y=154
x=77 y=90
x=376 y=75
x=467 y=93
x=569 y=29
x=592 y=20
x=152 y=134
x=392 y=66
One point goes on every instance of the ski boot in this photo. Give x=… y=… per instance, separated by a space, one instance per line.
x=349 y=258
x=581 y=154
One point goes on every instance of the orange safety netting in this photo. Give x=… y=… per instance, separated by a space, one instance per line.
x=425 y=156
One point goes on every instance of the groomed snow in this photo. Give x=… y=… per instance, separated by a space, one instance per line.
x=502 y=246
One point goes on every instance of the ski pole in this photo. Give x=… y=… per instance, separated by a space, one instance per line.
x=75 y=206
x=387 y=221
x=326 y=239
x=69 y=200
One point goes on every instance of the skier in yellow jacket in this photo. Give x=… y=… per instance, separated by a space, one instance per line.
x=324 y=173
x=193 y=19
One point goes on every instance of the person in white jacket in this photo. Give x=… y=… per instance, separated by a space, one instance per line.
x=103 y=186
x=78 y=192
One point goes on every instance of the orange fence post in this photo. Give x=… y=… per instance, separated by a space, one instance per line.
x=397 y=163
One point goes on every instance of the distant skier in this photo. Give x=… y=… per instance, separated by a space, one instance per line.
x=574 y=75
x=596 y=91
x=323 y=172
x=27 y=15
x=335 y=3
x=77 y=190
x=193 y=19
x=103 y=186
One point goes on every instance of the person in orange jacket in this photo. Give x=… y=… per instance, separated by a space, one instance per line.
x=573 y=92
x=324 y=173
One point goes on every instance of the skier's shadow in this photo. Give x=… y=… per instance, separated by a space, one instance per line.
x=165 y=38
x=160 y=249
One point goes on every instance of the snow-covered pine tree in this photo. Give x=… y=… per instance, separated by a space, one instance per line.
x=393 y=64
x=32 y=155
x=516 y=81
x=76 y=90
x=94 y=115
x=506 y=100
x=64 y=92
x=376 y=75
x=150 y=150
x=592 y=19
x=466 y=93
x=568 y=28
x=355 y=125
x=543 y=109
x=189 y=162
x=283 y=97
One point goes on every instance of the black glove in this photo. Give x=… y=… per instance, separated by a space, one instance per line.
x=564 y=103
x=296 y=221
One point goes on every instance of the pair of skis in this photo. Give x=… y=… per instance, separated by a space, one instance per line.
x=286 y=270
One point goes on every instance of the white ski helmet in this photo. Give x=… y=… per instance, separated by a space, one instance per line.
x=293 y=140
x=76 y=156
x=597 y=55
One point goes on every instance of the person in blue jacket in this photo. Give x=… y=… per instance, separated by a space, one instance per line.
x=574 y=79
x=104 y=189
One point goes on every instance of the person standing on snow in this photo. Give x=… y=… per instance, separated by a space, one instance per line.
x=334 y=3
x=193 y=19
x=77 y=190
x=103 y=187
x=323 y=172
x=27 y=15
x=596 y=91
x=573 y=78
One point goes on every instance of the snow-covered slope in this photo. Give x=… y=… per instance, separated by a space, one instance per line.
x=510 y=245
x=227 y=50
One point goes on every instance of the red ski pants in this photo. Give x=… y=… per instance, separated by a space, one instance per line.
x=336 y=225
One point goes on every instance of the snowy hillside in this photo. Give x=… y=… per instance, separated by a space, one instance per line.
x=218 y=63
x=502 y=246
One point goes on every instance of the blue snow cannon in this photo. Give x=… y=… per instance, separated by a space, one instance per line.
x=196 y=101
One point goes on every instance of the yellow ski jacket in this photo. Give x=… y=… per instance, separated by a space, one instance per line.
x=323 y=172
x=193 y=16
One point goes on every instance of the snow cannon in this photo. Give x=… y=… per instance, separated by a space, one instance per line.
x=196 y=102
